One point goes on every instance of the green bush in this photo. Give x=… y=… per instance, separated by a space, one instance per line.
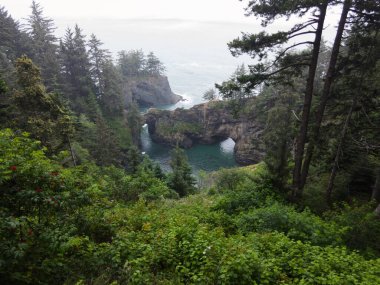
x=303 y=226
x=363 y=227
x=92 y=225
x=244 y=189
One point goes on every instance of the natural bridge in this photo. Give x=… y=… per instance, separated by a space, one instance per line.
x=207 y=123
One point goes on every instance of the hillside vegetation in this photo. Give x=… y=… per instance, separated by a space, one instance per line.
x=80 y=204
x=99 y=225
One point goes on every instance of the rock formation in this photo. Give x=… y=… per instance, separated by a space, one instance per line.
x=149 y=91
x=206 y=124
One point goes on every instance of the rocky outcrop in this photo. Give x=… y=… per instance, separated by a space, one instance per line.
x=206 y=124
x=149 y=91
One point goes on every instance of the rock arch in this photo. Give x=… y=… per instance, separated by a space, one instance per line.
x=207 y=123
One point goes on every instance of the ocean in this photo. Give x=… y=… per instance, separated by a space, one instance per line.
x=196 y=57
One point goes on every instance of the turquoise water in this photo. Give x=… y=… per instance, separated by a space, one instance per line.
x=196 y=57
x=201 y=157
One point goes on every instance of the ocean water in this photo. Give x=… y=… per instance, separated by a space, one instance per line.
x=201 y=157
x=196 y=57
x=195 y=53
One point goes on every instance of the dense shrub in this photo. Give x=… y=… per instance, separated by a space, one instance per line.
x=303 y=226
x=244 y=189
x=363 y=227
x=91 y=225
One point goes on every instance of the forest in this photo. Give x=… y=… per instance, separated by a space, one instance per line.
x=81 y=204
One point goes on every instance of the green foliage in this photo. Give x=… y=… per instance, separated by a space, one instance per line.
x=99 y=224
x=134 y=121
x=153 y=66
x=303 y=226
x=244 y=189
x=278 y=134
x=134 y=63
x=3 y=86
x=363 y=227
x=92 y=225
x=181 y=179
x=131 y=63
x=210 y=95
x=178 y=128
x=38 y=112
x=107 y=150
x=133 y=159
x=44 y=46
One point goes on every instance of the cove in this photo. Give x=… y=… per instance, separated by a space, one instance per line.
x=201 y=157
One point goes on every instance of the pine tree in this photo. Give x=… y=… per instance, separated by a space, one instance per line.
x=329 y=79
x=13 y=41
x=286 y=62
x=77 y=83
x=111 y=101
x=279 y=133
x=210 y=95
x=133 y=159
x=40 y=113
x=13 y=44
x=134 y=121
x=131 y=63
x=355 y=98
x=153 y=66
x=98 y=57
x=180 y=179
x=107 y=150
x=44 y=48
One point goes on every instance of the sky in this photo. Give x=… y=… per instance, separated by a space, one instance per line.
x=187 y=11
x=189 y=36
x=199 y=10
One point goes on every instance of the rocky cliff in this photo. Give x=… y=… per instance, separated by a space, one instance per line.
x=149 y=91
x=206 y=124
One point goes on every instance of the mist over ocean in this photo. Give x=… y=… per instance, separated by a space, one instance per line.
x=195 y=53
x=196 y=57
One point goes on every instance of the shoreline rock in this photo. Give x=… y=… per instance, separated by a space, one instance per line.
x=207 y=123
x=149 y=91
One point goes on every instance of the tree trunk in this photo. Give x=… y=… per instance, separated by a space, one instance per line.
x=376 y=188
x=326 y=92
x=335 y=167
x=301 y=139
x=72 y=152
x=377 y=211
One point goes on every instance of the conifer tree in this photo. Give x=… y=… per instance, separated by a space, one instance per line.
x=153 y=66
x=40 y=113
x=131 y=63
x=278 y=133
x=262 y=45
x=13 y=41
x=329 y=79
x=210 y=95
x=44 y=48
x=180 y=179
x=134 y=121
x=107 y=150
x=133 y=159
x=98 y=57
x=356 y=103
x=111 y=101
x=75 y=63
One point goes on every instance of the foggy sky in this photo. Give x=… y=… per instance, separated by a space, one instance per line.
x=200 y=10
